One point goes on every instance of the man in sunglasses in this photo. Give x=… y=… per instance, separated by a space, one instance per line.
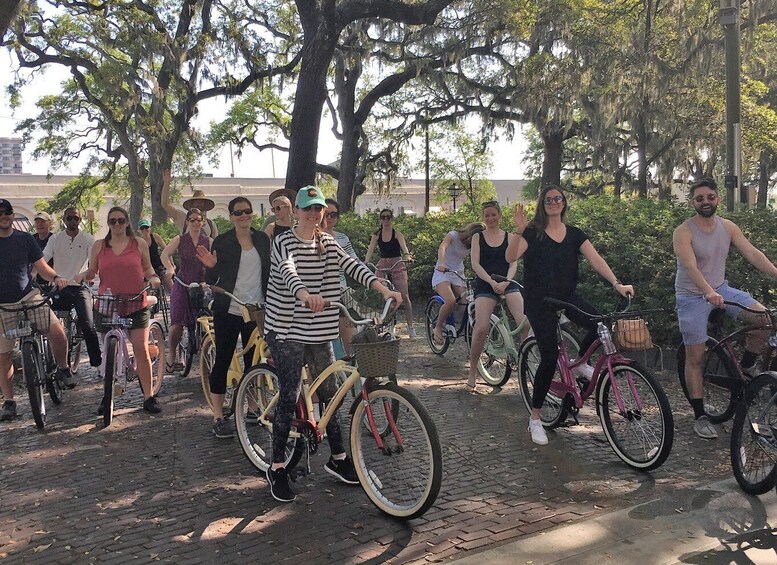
x=70 y=251
x=701 y=244
x=20 y=253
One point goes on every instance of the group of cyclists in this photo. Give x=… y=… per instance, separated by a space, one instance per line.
x=299 y=262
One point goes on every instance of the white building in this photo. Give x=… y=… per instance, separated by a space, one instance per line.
x=10 y=156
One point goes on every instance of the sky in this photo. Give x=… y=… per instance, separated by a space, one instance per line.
x=507 y=156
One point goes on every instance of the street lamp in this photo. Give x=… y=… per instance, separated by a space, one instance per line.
x=729 y=19
x=454 y=190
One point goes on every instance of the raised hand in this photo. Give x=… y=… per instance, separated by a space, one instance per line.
x=519 y=218
x=208 y=259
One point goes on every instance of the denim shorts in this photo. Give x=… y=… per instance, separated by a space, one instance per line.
x=693 y=312
x=484 y=289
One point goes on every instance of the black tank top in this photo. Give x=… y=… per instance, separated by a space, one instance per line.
x=388 y=249
x=492 y=259
x=153 y=251
x=278 y=230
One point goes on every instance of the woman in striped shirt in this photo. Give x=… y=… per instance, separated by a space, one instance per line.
x=305 y=266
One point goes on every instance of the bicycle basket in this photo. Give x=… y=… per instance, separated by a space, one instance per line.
x=632 y=335
x=367 y=303
x=254 y=313
x=37 y=312
x=124 y=305
x=377 y=359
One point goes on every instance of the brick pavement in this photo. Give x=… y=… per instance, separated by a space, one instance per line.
x=162 y=488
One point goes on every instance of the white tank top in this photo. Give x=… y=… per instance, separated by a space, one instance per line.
x=711 y=251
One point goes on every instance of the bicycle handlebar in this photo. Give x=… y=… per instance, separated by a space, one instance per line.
x=374 y=268
x=361 y=322
x=626 y=312
x=766 y=311
x=46 y=296
x=500 y=278
x=186 y=285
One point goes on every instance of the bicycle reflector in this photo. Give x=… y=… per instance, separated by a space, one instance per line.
x=16 y=333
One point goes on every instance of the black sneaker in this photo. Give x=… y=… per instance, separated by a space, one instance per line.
x=279 y=485
x=222 y=429
x=343 y=470
x=151 y=405
x=66 y=377
x=8 y=411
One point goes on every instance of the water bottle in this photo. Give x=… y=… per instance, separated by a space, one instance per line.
x=105 y=305
x=606 y=337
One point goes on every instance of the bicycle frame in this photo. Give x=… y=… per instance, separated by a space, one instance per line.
x=125 y=363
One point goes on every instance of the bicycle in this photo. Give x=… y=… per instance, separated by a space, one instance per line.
x=632 y=407
x=753 y=447
x=75 y=340
x=394 y=442
x=724 y=377
x=451 y=330
x=367 y=303
x=119 y=363
x=192 y=334
x=251 y=312
x=27 y=321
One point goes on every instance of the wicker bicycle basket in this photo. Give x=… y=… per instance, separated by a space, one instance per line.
x=122 y=304
x=254 y=313
x=631 y=334
x=377 y=359
x=34 y=310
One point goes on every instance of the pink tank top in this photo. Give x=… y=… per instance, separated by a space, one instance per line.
x=123 y=274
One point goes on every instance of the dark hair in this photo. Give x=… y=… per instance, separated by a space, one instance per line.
x=128 y=231
x=333 y=202
x=189 y=213
x=708 y=182
x=235 y=201
x=65 y=211
x=540 y=220
x=466 y=233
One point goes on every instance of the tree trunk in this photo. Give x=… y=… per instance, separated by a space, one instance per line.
x=553 y=143
x=8 y=10
x=641 y=138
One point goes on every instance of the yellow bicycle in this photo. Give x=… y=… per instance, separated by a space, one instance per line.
x=256 y=346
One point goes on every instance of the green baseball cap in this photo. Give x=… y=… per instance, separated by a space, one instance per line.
x=309 y=195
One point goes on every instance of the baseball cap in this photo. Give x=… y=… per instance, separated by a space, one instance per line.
x=42 y=216
x=144 y=223
x=5 y=204
x=309 y=195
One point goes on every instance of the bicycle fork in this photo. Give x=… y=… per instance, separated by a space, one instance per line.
x=374 y=429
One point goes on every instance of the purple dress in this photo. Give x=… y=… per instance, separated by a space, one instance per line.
x=190 y=270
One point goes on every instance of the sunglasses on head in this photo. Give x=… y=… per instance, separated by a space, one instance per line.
x=711 y=197
x=119 y=221
x=246 y=211
x=314 y=207
x=280 y=207
x=551 y=199
x=386 y=217
x=333 y=215
x=6 y=212
x=72 y=218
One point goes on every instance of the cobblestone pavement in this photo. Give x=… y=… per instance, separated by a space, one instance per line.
x=164 y=488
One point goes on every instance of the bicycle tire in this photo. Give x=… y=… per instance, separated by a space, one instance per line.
x=255 y=391
x=554 y=411
x=33 y=377
x=401 y=480
x=54 y=386
x=186 y=348
x=642 y=437
x=156 y=343
x=75 y=345
x=722 y=385
x=207 y=358
x=753 y=447
x=494 y=363
x=111 y=351
x=431 y=314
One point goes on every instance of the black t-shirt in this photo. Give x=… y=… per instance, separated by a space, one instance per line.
x=551 y=268
x=18 y=251
x=42 y=244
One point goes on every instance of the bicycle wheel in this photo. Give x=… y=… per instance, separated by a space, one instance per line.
x=75 y=345
x=553 y=411
x=111 y=352
x=54 y=386
x=34 y=376
x=207 y=359
x=754 y=436
x=255 y=391
x=383 y=428
x=642 y=434
x=430 y=315
x=156 y=349
x=402 y=479
x=494 y=363
x=186 y=349
x=722 y=385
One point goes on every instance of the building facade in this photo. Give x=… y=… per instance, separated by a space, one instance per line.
x=10 y=156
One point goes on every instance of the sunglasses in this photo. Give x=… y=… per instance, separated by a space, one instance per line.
x=238 y=213
x=195 y=219
x=6 y=212
x=314 y=207
x=145 y=227
x=710 y=197
x=280 y=207
x=119 y=221
x=490 y=204
x=333 y=215
x=386 y=217
x=554 y=199
x=72 y=218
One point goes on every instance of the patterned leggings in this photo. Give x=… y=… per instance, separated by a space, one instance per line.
x=289 y=357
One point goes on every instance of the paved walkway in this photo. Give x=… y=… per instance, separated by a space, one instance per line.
x=163 y=488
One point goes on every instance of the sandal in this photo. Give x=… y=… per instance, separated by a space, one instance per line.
x=169 y=368
x=438 y=341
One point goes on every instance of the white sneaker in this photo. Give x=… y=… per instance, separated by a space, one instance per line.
x=704 y=428
x=538 y=434
x=411 y=333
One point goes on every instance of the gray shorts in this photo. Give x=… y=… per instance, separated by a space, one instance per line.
x=693 y=312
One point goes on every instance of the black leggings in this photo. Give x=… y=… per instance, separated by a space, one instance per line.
x=544 y=321
x=80 y=298
x=289 y=356
x=227 y=327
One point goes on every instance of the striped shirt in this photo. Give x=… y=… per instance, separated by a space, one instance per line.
x=295 y=264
